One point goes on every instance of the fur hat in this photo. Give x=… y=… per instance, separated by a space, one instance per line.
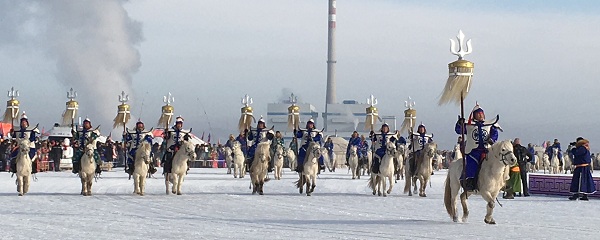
x=310 y=121
x=179 y=119
x=87 y=120
x=581 y=142
x=24 y=117
x=261 y=120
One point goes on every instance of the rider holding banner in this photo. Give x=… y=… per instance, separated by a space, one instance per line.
x=480 y=134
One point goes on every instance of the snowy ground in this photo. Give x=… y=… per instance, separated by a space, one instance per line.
x=215 y=205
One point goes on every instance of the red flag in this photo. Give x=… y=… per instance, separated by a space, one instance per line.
x=202 y=136
x=208 y=137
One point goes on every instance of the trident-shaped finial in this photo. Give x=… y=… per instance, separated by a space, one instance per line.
x=168 y=99
x=246 y=100
x=460 y=53
x=71 y=94
x=12 y=94
x=293 y=99
x=123 y=98
x=372 y=100
x=409 y=103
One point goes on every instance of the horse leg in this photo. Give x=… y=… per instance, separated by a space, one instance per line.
x=174 y=177
x=307 y=179
x=26 y=181
x=142 y=185
x=83 y=184
x=136 y=183
x=391 y=181
x=314 y=183
x=261 y=184
x=383 y=185
x=414 y=179
x=423 y=182
x=167 y=183
x=300 y=183
x=463 y=202
x=90 y=180
x=179 y=183
x=20 y=185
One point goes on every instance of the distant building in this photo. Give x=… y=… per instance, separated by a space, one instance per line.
x=341 y=120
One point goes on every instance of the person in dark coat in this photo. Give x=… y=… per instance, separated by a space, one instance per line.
x=582 y=183
x=55 y=154
x=523 y=156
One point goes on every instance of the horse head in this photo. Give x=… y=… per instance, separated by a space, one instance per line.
x=189 y=149
x=430 y=149
x=390 y=148
x=235 y=145
x=401 y=148
x=504 y=151
x=353 y=150
x=279 y=151
x=144 y=150
x=24 y=145
x=314 y=151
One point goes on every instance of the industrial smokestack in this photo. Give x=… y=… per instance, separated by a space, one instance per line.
x=330 y=96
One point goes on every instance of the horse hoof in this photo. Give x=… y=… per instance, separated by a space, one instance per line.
x=455 y=219
x=379 y=194
x=141 y=194
x=374 y=193
x=260 y=193
x=489 y=222
x=389 y=191
x=353 y=178
x=20 y=194
x=173 y=192
x=178 y=193
x=308 y=194
x=422 y=195
x=385 y=195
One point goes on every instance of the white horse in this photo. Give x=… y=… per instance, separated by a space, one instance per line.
x=366 y=165
x=88 y=168
x=292 y=159
x=260 y=165
x=546 y=162
x=239 y=168
x=227 y=151
x=568 y=162
x=490 y=181
x=278 y=162
x=386 y=169
x=423 y=170
x=353 y=162
x=535 y=166
x=179 y=167
x=24 y=166
x=141 y=165
x=555 y=162
x=310 y=169
x=329 y=161
x=399 y=158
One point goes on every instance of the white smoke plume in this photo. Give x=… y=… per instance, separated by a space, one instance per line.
x=93 y=43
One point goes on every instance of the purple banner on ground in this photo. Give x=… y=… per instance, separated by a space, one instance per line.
x=554 y=185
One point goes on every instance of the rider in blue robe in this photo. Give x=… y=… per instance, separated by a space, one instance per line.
x=24 y=132
x=258 y=135
x=379 y=142
x=354 y=141
x=82 y=139
x=550 y=152
x=308 y=135
x=418 y=141
x=133 y=140
x=479 y=135
x=173 y=140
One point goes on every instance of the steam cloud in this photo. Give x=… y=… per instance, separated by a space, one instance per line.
x=93 y=43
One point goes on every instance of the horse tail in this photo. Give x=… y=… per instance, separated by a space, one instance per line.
x=448 y=196
x=300 y=182
x=371 y=183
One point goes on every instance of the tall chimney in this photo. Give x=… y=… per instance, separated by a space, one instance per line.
x=330 y=96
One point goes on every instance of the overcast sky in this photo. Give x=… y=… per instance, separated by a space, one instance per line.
x=537 y=63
